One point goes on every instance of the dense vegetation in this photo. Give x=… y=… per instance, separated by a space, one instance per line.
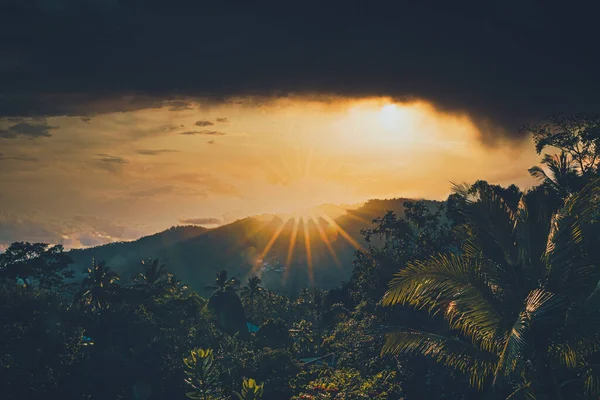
x=495 y=294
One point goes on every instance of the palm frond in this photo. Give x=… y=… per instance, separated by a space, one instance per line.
x=455 y=286
x=538 y=306
x=476 y=364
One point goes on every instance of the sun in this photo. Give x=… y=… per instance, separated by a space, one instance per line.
x=392 y=117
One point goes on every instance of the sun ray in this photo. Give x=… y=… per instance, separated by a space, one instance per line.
x=326 y=241
x=355 y=217
x=309 y=261
x=288 y=260
x=270 y=244
x=341 y=231
x=270 y=167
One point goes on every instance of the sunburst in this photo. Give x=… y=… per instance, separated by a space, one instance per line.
x=302 y=221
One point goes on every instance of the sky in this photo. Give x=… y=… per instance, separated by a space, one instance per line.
x=122 y=118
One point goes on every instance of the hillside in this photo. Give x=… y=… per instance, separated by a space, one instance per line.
x=195 y=254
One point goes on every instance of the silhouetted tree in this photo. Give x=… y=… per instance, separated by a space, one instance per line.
x=521 y=296
x=576 y=135
x=97 y=287
x=252 y=289
x=46 y=265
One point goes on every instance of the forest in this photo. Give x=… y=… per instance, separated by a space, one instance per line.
x=494 y=294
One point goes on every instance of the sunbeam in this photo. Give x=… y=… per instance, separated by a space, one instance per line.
x=309 y=262
x=326 y=241
x=341 y=231
x=267 y=248
x=290 y=253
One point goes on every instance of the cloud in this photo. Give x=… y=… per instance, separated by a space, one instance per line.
x=204 y=132
x=211 y=142
x=179 y=105
x=27 y=130
x=18 y=158
x=107 y=158
x=501 y=65
x=75 y=232
x=149 y=152
x=223 y=120
x=201 y=221
x=203 y=123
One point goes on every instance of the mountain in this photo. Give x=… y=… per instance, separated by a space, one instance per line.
x=322 y=255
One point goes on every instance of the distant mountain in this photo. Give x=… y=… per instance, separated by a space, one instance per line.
x=257 y=245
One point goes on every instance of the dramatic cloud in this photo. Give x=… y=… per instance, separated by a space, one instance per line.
x=201 y=221
x=148 y=152
x=203 y=123
x=211 y=142
x=223 y=120
x=501 y=63
x=27 y=130
x=204 y=132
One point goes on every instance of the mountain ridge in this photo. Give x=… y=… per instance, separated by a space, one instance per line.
x=321 y=255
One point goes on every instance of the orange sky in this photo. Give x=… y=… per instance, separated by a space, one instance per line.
x=121 y=175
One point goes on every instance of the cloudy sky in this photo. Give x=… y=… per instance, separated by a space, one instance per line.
x=122 y=118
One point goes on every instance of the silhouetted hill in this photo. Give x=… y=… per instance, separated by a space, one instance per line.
x=321 y=255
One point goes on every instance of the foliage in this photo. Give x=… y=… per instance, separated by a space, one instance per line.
x=251 y=390
x=349 y=384
x=200 y=374
x=492 y=294
x=41 y=263
x=509 y=300
x=274 y=333
x=576 y=135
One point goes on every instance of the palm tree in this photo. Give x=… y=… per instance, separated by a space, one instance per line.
x=562 y=176
x=223 y=283
x=153 y=274
x=252 y=289
x=97 y=287
x=519 y=304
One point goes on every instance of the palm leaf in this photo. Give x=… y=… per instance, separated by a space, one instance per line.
x=476 y=364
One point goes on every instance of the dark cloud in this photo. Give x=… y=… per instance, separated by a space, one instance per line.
x=502 y=63
x=204 y=132
x=27 y=130
x=149 y=152
x=178 y=105
x=18 y=158
x=107 y=158
x=211 y=142
x=203 y=123
x=223 y=120
x=201 y=221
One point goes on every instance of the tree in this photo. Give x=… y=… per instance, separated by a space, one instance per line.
x=223 y=283
x=153 y=274
x=562 y=177
x=97 y=287
x=36 y=262
x=252 y=289
x=395 y=240
x=576 y=135
x=520 y=302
